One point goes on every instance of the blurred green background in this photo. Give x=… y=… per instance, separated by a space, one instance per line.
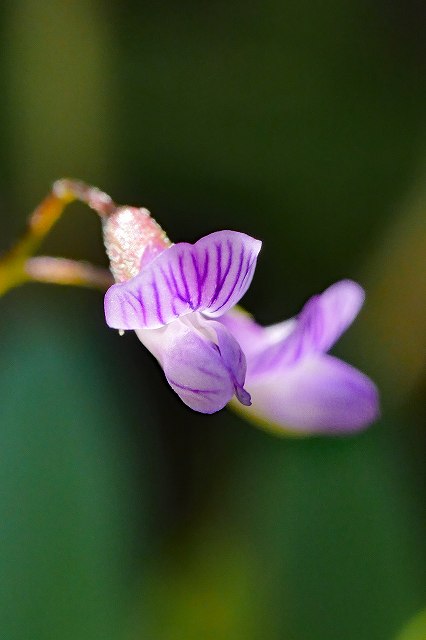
x=124 y=516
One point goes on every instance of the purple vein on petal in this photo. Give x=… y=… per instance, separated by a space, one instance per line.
x=198 y=278
x=136 y=304
x=171 y=290
x=157 y=301
x=248 y=270
x=175 y=284
x=218 y=272
x=184 y=281
x=220 y=279
x=205 y=268
x=237 y=277
x=228 y=266
x=192 y=389
x=212 y=374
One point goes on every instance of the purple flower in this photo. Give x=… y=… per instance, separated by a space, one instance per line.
x=173 y=303
x=294 y=383
x=181 y=303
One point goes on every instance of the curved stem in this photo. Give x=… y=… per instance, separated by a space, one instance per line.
x=16 y=266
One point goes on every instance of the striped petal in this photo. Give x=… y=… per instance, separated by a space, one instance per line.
x=321 y=322
x=264 y=347
x=202 y=362
x=209 y=276
x=325 y=317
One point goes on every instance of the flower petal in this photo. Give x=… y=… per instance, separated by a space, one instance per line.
x=320 y=394
x=264 y=347
x=320 y=323
x=202 y=362
x=325 y=317
x=244 y=328
x=234 y=360
x=209 y=276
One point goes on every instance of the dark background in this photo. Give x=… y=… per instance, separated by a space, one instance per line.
x=123 y=515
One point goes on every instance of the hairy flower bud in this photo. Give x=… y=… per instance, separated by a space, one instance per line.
x=132 y=239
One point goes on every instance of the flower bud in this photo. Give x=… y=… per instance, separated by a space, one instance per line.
x=132 y=239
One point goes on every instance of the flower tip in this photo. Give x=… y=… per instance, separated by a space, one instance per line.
x=257 y=246
x=243 y=396
x=350 y=292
